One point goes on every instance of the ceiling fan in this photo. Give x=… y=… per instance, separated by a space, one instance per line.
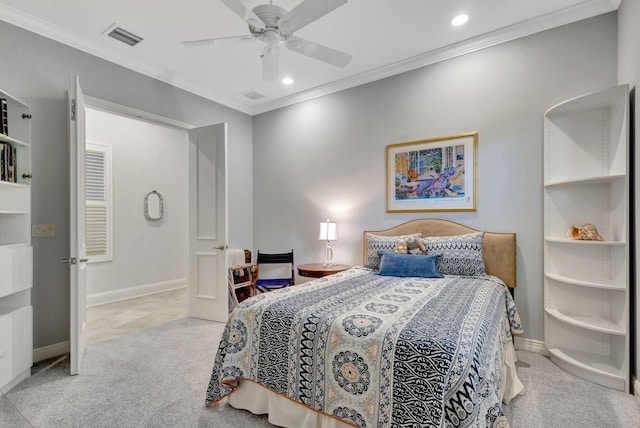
x=274 y=26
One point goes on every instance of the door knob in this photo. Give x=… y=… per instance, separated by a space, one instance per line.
x=221 y=247
x=73 y=261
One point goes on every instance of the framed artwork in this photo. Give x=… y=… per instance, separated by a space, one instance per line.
x=437 y=174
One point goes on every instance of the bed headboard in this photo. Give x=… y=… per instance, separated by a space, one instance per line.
x=498 y=249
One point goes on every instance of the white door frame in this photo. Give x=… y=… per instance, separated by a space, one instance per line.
x=99 y=104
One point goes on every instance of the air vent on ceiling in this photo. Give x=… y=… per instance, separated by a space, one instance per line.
x=124 y=36
x=253 y=95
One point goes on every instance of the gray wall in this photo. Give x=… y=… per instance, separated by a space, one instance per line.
x=146 y=156
x=629 y=72
x=325 y=157
x=38 y=71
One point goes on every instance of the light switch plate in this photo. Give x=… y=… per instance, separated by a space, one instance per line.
x=43 y=230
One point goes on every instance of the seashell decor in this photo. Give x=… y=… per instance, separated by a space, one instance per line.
x=586 y=232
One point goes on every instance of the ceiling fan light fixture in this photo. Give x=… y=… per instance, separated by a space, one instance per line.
x=271 y=37
x=460 y=20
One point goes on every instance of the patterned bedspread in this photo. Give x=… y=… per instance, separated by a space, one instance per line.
x=376 y=351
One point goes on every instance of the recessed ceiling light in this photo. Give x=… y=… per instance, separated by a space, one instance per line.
x=287 y=80
x=460 y=19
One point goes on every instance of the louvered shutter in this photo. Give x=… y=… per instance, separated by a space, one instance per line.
x=98 y=202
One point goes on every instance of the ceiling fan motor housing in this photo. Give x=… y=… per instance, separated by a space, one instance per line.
x=270 y=14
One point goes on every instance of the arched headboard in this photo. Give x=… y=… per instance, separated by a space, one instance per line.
x=498 y=249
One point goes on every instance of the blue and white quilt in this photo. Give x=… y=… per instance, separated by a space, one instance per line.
x=376 y=351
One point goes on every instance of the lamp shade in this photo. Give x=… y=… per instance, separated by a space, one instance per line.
x=328 y=231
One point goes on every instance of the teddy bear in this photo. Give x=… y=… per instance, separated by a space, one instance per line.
x=401 y=247
x=415 y=246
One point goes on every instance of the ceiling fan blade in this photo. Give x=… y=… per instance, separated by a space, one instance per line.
x=270 y=63
x=243 y=38
x=245 y=13
x=307 y=12
x=319 y=52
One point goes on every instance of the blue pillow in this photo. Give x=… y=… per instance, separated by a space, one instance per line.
x=418 y=265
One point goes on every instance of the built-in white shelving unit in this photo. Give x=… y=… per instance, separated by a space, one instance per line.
x=16 y=256
x=586 y=283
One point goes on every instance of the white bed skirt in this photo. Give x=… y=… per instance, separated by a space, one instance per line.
x=282 y=411
x=287 y=413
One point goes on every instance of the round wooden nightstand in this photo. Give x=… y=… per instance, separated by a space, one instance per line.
x=318 y=270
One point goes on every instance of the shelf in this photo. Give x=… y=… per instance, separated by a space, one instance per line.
x=590 y=366
x=586 y=283
x=242 y=285
x=573 y=281
x=9 y=97
x=583 y=242
x=244 y=273
x=16 y=254
x=601 y=325
x=600 y=99
x=8 y=212
x=9 y=185
x=6 y=139
x=586 y=180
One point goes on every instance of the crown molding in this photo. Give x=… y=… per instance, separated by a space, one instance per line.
x=587 y=9
x=43 y=28
x=584 y=10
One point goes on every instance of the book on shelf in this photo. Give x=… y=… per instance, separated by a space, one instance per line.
x=5 y=116
x=7 y=163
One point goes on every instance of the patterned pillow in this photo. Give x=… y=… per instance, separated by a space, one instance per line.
x=377 y=243
x=460 y=254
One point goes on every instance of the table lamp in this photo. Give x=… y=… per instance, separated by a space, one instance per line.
x=328 y=233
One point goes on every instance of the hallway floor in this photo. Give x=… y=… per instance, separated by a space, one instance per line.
x=116 y=319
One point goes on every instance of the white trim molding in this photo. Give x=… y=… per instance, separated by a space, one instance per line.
x=531 y=345
x=132 y=292
x=130 y=112
x=50 y=351
x=583 y=10
x=16 y=380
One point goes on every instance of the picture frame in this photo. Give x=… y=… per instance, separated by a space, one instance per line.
x=435 y=174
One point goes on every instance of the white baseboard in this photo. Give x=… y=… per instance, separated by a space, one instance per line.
x=22 y=376
x=531 y=345
x=50 y=351
x=131 y=292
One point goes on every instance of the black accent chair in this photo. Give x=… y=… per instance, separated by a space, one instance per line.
x=283 y=279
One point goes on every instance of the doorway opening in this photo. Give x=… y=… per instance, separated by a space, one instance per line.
x=136 y=276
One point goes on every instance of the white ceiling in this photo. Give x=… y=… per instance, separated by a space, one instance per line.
x=385 y=37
